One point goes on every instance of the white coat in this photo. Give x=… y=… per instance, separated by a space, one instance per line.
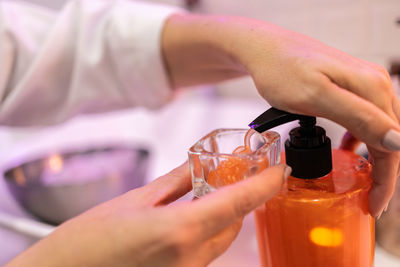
x=96 y=55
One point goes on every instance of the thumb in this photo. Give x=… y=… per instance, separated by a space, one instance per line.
x=228 y=204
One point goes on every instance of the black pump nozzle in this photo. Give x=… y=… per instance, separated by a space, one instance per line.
x=274 y=117
x=308 y=150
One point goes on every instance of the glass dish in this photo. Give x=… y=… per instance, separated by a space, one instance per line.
x=226 y=156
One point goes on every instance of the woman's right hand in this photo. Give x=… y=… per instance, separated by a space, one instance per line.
x=301 y=75
x=297 y=74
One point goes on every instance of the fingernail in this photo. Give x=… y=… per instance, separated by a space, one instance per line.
x=385 y=209
x=287 y=172
x=391 y=140
x=379 y=215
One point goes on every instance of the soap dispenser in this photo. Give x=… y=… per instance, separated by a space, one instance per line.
x=320 y=217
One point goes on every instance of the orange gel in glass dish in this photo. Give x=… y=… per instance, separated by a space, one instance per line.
x=233 y=168
x=321 y=222
x=226 y=156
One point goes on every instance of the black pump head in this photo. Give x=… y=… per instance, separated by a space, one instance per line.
x=308 y=150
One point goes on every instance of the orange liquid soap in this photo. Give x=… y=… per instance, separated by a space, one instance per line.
x=320 y=222
x=311 y=222
x=235 y=169
x=320 y=217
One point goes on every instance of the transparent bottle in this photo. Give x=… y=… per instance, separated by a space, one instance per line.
x=320 y=218
x=320 y=222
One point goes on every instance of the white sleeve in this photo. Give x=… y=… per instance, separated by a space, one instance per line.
x=93 y=56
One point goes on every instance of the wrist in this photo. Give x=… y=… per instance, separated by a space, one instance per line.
x=198 y=49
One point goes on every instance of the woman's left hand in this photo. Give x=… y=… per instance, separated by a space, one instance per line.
x=142 y=228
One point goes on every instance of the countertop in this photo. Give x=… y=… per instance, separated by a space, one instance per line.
x=169 y=133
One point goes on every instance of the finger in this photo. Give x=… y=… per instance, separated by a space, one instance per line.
x=164 y=189
x=396 y=107
x=367 y=80
x=386 y=167
x=384 y=174
x=375 y=86
x=364 y=120
x=219 y=243
x=172 y=186
x=223 y=207
x=396 y=110
x=349 y=142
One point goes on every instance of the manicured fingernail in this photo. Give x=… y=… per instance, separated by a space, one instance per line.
x=377 y=217
x=287 y=172
x=391 y=140
x=385 y=209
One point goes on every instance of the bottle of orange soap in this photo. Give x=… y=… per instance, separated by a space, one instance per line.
x=320 y=218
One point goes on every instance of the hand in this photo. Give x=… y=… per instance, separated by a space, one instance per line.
x=297 y=74
x=139 y=228
x=307 y=77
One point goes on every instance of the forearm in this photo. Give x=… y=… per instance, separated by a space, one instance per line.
x=82 y=241
x=58 y=249
x=209 y=49
x=196 y=50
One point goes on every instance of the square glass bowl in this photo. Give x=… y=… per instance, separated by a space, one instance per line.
x=226 y=156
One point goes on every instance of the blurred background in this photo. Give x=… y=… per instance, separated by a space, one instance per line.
x=368 y=29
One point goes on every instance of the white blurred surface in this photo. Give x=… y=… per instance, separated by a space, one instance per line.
x=169 y=132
